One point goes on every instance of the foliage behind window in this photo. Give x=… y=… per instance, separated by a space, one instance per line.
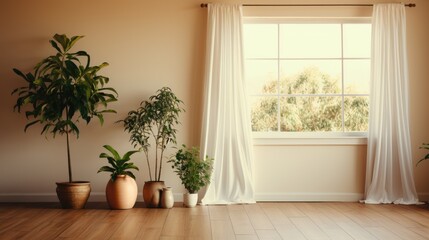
x=308 y=77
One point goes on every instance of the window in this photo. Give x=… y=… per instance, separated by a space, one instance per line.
x=308 y=76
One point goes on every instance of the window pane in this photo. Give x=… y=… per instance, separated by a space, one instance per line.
x=310 y=40
x=310 y=114
x=261 y=76
x=260 y=40
x=356 y=111
x=356 y=76
x=357 y=40
x=264 y=114
x=310 y=76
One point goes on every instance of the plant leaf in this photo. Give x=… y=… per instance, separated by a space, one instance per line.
x=106 y=169
x=113 y=151
x=55 y=45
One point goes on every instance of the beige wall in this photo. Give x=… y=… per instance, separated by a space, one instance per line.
x=151 y=44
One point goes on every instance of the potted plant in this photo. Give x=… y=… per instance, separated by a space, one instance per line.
x=195 y=172
x=424 y=146
x=154 y=121
x=63 y=89
x=121 y=190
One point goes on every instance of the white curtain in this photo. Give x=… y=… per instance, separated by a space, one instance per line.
x=226 y=130
x=389 y=172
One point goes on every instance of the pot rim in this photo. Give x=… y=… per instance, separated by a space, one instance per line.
x=74 y=183
x=187 y=193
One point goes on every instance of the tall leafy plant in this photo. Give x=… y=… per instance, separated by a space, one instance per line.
x=63 y=89
x=155 y=120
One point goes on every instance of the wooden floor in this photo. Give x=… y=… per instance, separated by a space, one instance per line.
x=257 y=221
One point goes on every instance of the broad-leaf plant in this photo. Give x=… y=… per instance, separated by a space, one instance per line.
x=118 y=165
x=63 y=89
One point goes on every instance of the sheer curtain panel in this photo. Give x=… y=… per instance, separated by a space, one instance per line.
x=226 y=130
x=389 y=172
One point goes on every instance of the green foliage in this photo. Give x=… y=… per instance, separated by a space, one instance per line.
x=155 y=119
x=63 y=89
x=118 y=165
x=424 y=146
x=194 y=172
x=308 y=112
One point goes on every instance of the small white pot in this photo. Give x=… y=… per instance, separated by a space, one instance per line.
x=190 y=199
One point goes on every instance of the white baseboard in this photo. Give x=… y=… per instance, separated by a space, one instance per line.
x=178 y=197
x=308 y=197
x=52 y=197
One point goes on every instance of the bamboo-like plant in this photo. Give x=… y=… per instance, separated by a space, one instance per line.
x=63 y=89
x=155 y=119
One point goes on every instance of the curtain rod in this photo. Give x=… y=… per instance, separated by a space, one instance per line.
x=204 y=5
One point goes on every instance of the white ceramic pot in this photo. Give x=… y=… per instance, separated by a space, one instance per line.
x=190 y=199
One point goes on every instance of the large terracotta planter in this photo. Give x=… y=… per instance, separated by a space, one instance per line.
x=121 y=193
x=152 y=193
x=73 y=195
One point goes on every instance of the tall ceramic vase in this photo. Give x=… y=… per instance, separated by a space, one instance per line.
x=121 y=193
x=152 y=193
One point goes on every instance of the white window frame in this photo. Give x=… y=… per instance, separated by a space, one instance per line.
x=309 y=138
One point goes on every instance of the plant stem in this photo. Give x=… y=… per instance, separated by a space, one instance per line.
x=156 y=163
x=148 y=164
x=68 y=156
x=156 y=154
x=162 y=155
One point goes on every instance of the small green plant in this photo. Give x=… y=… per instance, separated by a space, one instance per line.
x=118 y=165
x=194 y=172
x=156 y=118
x=424 y=146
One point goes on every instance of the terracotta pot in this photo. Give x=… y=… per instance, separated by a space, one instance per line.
x=190 y=199
x=152 y=193
x=121 y=193
x=167 y=199
x=73 y=195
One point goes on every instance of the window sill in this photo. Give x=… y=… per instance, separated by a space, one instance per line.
x=309 y=139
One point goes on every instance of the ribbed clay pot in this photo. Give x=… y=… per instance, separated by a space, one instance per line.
x=73 y=195
x=152 y=193
x=121 y=193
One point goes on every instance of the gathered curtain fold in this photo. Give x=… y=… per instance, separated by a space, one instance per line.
x=389 y=171
x=226 y=129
